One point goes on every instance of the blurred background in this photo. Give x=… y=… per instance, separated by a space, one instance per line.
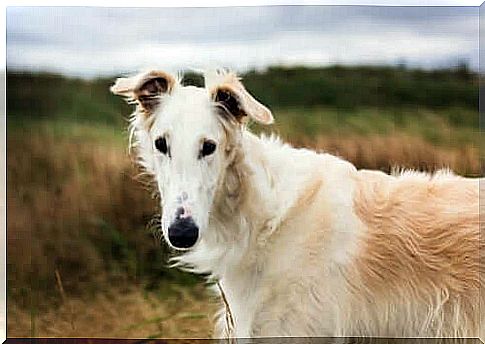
x=383 y=87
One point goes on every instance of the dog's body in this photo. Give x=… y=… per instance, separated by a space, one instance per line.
x=321 y=249
x=304 y=244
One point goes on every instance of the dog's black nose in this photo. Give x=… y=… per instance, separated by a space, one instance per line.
x=183 y=233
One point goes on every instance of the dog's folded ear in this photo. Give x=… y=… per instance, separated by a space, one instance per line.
x=146 y=89
x=229 y=94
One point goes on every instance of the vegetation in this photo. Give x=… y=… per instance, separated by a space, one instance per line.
x=78 y=209
x=355 y=87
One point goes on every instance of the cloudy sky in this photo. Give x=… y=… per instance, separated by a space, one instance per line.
x=88 y=41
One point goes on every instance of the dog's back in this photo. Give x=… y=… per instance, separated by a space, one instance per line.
x=418 y=269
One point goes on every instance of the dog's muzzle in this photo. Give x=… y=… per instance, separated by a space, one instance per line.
x=183 y=233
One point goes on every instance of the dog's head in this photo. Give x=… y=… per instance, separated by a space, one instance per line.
x=186 y=137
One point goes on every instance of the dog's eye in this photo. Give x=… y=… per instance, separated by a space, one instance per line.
x=208 y=147
x=161 y=145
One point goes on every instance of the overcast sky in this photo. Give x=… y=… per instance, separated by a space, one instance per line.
x=89 y=41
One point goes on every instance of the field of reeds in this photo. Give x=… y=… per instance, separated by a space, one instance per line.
x=82 y=259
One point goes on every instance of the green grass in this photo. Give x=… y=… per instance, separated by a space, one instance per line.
x=437 y=126
x=68 y=128
x=364 y=86
x=440 y=106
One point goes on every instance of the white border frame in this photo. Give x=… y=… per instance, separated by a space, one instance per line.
x=145 y=3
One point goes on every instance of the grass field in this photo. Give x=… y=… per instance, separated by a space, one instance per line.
x=120 y=313
x=81 y=259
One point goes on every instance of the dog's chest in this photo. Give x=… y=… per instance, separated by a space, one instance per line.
x=244 y=296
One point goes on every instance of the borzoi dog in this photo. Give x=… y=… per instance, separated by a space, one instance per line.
x=303 y=243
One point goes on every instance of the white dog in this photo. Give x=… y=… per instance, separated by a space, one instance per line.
x=304 y=244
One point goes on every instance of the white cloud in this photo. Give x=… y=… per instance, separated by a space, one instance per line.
x=109 y=41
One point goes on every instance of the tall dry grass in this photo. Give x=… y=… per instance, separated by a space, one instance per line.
x=75 y=208
x=387 y=153
x=127 y=313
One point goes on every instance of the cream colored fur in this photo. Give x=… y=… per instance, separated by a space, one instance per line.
x=304 y=244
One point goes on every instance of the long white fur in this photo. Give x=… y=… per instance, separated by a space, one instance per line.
x=285 y=251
